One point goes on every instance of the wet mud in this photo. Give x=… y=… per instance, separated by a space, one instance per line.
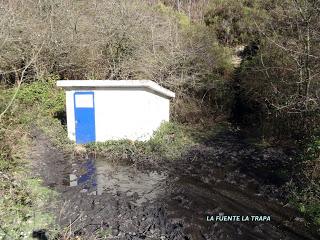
x=161 y=199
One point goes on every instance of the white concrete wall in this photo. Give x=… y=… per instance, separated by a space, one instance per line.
x=70 y=115
x=158 y=111
x=123 y=113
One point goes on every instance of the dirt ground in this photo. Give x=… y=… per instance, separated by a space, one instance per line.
x=172 y=199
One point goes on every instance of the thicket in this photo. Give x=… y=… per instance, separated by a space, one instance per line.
x=43 y=41
x=276 y=85
x=187 y=46
x=116 y=40
x=281 y=80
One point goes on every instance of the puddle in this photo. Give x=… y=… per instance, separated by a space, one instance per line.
x=97 y=176
x=206 y=181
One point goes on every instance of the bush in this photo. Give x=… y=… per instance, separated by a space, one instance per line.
x=119 y=39
x=278 y=80
x=43 y=93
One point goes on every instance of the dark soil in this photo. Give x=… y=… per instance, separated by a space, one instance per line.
x=172 y=199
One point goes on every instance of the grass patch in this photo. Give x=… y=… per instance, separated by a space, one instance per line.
x=22 y=207
x=169 y=142
x=44 y=94
x=23 y=199
x=37 y=105
x=307 y=201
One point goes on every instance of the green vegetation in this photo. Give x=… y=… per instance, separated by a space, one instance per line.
x=186 y=46
x=44 y=95
x=182 y=18
x=308 y=198
x=308 y=204
x=169 y=141
x=22 y=208
x=104 y=233
x=23 y=198
x=40 y=103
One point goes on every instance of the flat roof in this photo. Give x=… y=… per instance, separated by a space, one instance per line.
x=116 y=84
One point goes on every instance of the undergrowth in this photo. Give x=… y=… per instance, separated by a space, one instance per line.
x=169 y=142
x=306 y=196
x=23 y=198
x=22 y=207
x=37 y=105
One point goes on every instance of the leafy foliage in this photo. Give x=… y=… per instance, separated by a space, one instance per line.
x=182 y=18
x=233 y=21
x=43 y=93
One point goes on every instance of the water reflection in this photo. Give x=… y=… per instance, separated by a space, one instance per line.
x=96 y=176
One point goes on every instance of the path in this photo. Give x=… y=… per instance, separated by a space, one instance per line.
x=171 y=200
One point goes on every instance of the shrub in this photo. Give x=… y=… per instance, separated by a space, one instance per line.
x=43 y=93
x=118 y=39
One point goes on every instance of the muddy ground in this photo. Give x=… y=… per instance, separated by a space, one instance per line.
x=172 y=199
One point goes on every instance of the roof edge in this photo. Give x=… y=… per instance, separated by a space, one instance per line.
x=116 y=83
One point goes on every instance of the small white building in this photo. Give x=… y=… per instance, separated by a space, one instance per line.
x=101 y=110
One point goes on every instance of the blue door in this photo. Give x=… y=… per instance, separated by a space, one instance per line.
x=84 y=117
